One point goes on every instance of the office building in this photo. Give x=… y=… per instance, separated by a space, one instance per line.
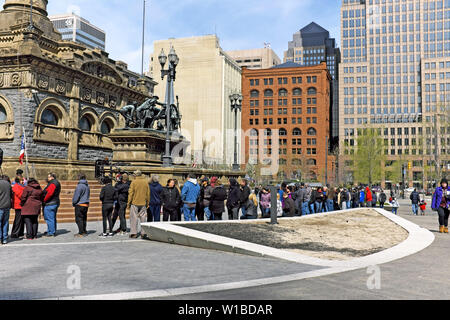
x=311 y=46
x=206 y=77
x=74 y=28
x=294 y=100
x=395 y=76
x=263 y=58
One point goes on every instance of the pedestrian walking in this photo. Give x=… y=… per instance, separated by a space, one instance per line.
x=362 y=198
x=207 y=198
x=343 y=199
x=265 y=203
x=31 y=202
x=383 y=198
x=251 y=209
x=189 y=196
x=374 y=198
x=415 y=199
x=108 y=196
x=234 y=196
x=355 y=198
x=6 y=198
x=180 y=209
x=329 y=200
x=368 y=197
x=289 y=206
x=138 y=202
x=80 y=201
x=18 y=228
x=154 y=209
x=51 y=204
x=170 y=201
x=423 y=207
x=200 y=207
x=441 y=203
x=217 y=201
x=244 y=195
x=395 y=205
x=122 y=186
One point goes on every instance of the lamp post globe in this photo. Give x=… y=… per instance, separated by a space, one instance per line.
x=162 y=58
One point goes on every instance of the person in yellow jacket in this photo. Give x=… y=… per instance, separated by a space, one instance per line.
x=138 y=202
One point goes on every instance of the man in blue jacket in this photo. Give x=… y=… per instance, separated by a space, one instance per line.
x=362 y=197
x=154 y=210
x=441 y=204
x=189 y=195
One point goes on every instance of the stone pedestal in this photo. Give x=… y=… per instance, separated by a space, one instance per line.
x=141 y=147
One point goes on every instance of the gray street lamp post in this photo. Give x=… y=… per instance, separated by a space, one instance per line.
x=171 y=75
x=236 y=105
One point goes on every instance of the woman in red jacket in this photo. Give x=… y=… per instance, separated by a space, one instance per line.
x=18 y=226
x=31 y=202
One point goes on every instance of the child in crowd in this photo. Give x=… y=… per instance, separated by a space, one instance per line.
x=395 y=205
x=422 y=206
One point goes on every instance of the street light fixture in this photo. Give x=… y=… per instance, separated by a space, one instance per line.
x=171 y=76
x=236 y=104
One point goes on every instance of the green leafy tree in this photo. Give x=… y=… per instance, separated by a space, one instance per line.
x=368 y=156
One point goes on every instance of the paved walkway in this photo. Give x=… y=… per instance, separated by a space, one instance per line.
x=42 y=269
x=420 y=276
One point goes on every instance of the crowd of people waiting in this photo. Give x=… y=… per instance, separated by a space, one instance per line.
x=196 y=200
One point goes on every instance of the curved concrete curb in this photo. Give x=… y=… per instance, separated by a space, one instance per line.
x=417 y=240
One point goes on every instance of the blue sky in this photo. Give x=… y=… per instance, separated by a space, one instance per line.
x=239 y=24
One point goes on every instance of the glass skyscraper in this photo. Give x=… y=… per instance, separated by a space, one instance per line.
x=77 y=29
x=395 y=76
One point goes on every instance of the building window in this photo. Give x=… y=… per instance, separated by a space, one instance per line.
x=311 y=162
x=312 y=132
x=283 y=93
x=268 y=93
x=2 y=114
x=297 y=132
x=312 y=91
x=49 y=118
x=254 y=94
x=85 y=124
x=297 y=92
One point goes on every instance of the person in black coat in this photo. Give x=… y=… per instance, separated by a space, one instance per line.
x=199 y=207
x=217 y=201
x=108 y=195
x=245 y=194
x=122 y=186
x=233 y=203
x=170 y=200
x=383 y=199
x=289 y=206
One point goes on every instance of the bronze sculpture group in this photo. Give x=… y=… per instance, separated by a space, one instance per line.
x=147 y=114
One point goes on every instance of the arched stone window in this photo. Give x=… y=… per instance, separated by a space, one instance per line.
x=107 y=126
x=312 y=91
x=297 y=92
x=311 y=162
x=267 y=132
x=253 y=133
x=296 y=162
x=268 y=93
x=296 y=132
x=283 y=132
x=282 y=93
x=3 y=115
x=254 y=94
x=86 y=123
x=312 y=132
x=49 y=117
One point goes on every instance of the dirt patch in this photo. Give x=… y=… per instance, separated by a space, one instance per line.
x=340 y=236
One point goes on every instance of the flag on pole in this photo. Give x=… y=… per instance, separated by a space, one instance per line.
x=22 y=149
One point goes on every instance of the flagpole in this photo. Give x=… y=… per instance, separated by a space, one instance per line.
x=143 y=40
x=26 y=152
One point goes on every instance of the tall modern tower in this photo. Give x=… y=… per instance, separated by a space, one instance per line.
x=395 y=76
x=77 y=29
x=309 y=47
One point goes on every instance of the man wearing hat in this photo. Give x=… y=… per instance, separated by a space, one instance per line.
x=138 y=202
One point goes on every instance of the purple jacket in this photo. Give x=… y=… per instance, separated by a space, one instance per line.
x=437 y=198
